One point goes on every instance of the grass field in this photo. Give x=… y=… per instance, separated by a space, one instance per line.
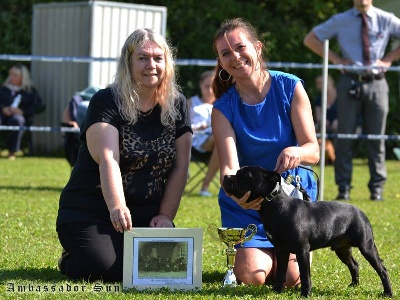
x=29 y=191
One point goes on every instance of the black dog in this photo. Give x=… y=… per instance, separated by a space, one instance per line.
x=296 y=226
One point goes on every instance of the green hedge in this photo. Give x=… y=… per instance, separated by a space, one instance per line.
x=191 y=25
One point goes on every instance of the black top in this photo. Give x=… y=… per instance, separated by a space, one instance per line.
x=147 y=154
x=30 y=101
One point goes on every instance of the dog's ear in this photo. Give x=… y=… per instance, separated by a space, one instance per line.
x=276 y=176
x=272 y=175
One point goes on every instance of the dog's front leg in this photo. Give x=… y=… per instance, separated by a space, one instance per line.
x=282 y=260
x=303 y=260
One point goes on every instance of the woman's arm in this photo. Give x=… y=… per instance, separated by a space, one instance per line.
x=225 y=141
x=67 y=119
x=176 y=183
x=307 y=152
x=103 y=145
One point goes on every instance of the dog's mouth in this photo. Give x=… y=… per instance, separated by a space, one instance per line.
x=259 y=182
x=230 y=185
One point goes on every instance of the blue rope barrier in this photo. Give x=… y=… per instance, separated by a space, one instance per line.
x=347 y=136
x=180 y=62
x=38 y=128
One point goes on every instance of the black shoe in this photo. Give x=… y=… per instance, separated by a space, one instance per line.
x=61 y=261
x=376 y=196
x=344 y=193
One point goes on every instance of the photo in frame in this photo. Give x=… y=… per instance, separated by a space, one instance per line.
x=163 y=258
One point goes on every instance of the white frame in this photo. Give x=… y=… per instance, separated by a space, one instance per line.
x=140 y=275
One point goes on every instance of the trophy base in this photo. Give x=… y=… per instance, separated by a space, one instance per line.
x=230 y=279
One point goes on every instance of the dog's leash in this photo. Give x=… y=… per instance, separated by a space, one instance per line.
x=309 y=169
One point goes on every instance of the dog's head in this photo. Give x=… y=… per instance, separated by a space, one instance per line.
x=259 y=181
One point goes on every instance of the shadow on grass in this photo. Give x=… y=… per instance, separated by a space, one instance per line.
x=212 y=285
x=30 y=188
x=212 y=277
x=31 y=274
x=53 y=274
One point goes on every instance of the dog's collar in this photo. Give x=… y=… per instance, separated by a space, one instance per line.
x=273 y=194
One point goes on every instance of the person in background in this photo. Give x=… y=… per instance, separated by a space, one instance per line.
x=331 y=115
x=132 y=165
x=73 y=116
x=75 y=111
x=331 y=105
x=261 y=117
x=19 y=101
x=203 y=140
x=363 y=33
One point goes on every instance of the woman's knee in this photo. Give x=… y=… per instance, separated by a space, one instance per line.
x=16 y=120
x=293 y=271
x=89 y=265
x=253 y=266
x=94 y=252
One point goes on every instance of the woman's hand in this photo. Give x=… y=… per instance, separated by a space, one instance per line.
x=289 y=158
x=162 y=221
x=121 y=218
x=15 y=111
x=7 y=111
x=254 y=204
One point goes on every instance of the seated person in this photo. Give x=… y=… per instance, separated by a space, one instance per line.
x=331 y=115
x=331 y=105
x=200 y=115
x=19 y=101
x=73 y=116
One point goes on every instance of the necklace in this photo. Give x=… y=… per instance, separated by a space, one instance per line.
x=259 y=96
x=261 y=85
x=145 y=114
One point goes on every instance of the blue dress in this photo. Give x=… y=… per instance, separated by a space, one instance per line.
x=262 y=132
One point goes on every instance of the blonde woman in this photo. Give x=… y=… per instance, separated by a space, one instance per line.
x=18 y=103
x=133 y=162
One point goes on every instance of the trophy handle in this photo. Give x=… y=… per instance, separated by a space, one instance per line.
x=212 y=229
x=253 y=230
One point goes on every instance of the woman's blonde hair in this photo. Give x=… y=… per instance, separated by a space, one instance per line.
x=26 y=81
x=126 y=88
x=223 y=80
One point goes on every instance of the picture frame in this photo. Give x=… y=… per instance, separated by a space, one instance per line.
x=163 y=258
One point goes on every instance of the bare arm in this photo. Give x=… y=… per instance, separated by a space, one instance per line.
x=175 y=183
x=225 y=141
x=67 y=117
x=307 y=153
x=389 y=58
x=314 y=44
x=103 y=145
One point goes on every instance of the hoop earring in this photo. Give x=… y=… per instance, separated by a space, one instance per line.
x=220 y=77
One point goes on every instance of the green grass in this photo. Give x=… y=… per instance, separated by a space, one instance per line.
x=29 y=191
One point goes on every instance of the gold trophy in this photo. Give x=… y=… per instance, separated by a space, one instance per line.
x=231 y=237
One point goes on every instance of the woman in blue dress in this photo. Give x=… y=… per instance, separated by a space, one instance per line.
x=261 y=117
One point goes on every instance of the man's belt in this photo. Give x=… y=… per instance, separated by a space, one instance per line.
x=366 y=77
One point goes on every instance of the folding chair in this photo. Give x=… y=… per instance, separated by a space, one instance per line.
x=200 y=159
